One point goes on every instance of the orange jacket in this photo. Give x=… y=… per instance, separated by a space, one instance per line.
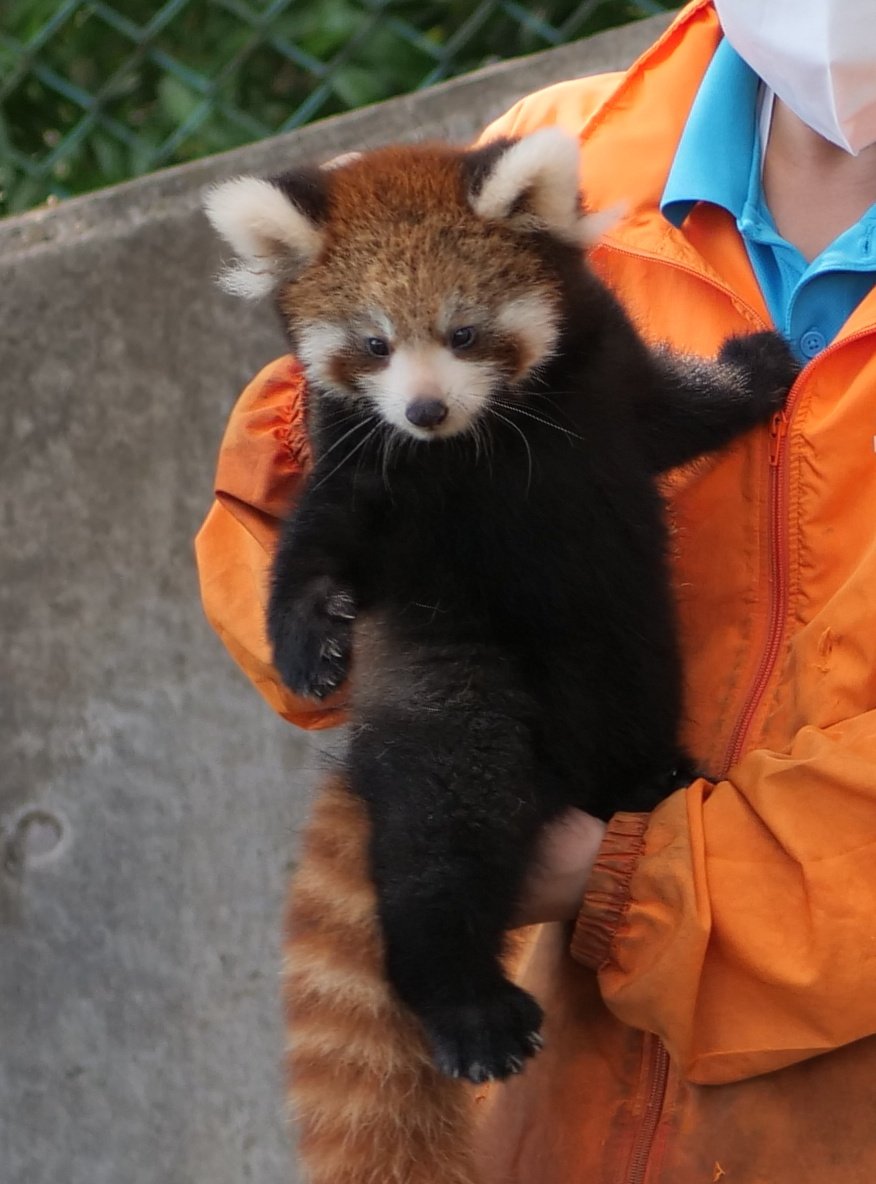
x=736 y=925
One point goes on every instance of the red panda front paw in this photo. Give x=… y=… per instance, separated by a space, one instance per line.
x=488 y=1040
x=311 y=636
x=766 y=367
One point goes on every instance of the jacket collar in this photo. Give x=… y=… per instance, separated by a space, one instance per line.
x=628 y=147
x=629 y=143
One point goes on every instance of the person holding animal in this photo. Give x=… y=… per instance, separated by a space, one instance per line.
x=728 y=1028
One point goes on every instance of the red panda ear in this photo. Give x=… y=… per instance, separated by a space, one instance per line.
x=273 y=226
x=532 y=183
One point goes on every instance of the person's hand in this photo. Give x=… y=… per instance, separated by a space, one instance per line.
x=554 y=886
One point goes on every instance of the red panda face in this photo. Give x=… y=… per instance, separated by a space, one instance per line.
x=408 y=278
x=427 y=360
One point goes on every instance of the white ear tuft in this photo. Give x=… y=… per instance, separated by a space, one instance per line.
x=338 y=162
x=271 y=236
x=535 y=182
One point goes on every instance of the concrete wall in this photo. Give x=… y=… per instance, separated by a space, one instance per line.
x=148 y=800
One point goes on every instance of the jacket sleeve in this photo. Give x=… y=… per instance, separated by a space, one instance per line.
x=262 y=461
x=738 y=921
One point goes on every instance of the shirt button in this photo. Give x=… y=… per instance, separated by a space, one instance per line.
x=812 y=342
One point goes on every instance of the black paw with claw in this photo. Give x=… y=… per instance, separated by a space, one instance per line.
x=649 y=794
x=488 y=1040
x=311 y=636
x=767 y=364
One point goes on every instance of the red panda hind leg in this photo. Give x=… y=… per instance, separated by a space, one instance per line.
x=369 y=1106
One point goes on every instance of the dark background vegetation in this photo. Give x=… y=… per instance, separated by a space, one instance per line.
x=94 y=93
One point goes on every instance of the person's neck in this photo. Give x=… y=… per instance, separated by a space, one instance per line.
x=814 y=189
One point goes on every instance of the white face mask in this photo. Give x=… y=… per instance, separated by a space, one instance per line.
x=819 y=56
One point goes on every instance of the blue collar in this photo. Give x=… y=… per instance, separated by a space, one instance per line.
x=719 y=147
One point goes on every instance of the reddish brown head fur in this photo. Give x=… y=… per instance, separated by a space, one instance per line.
x=385 y=264
x=401 y=234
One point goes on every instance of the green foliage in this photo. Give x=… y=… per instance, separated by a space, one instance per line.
x=92 y=93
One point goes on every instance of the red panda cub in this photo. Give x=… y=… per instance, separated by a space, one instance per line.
x=483 y=534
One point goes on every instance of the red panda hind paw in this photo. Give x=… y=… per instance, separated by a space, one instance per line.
x=488 y=1040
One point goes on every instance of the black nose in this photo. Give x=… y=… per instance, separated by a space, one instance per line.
x=426 y=413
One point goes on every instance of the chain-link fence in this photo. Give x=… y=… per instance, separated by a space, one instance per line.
x=92 y=93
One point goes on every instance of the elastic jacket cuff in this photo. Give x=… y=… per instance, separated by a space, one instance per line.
x=608 y=889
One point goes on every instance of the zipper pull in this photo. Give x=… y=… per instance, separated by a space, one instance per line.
x=778 y=431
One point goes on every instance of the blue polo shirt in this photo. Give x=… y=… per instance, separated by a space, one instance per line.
x=718 y=160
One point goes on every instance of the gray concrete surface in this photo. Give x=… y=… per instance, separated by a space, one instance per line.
x=148 y=800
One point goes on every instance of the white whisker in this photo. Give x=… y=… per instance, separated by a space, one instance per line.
x=482 y=428
x=560 y=411
x=548 y=423
x=525 y=444
x=339 y=416
x=392 y=444
x=361 y=424
x=349 y=455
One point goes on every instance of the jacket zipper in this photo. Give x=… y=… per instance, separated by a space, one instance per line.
x=777 y=544
x=656 y=1078
x=779 y=561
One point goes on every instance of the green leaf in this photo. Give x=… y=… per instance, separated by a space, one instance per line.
x=176 y=100
x=356 y=87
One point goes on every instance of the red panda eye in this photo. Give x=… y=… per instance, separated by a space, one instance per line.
x=378 y=347
x=463 y=338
